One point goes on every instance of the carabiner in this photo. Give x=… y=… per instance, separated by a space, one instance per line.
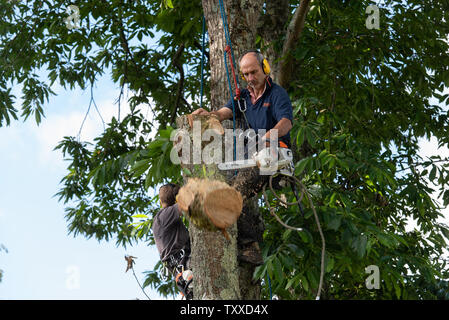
x=239 y=104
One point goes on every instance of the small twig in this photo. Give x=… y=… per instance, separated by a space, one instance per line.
x=427 y=162
x=130 y=265
x=132 y=268
x=179 y=66
x=82 y=123
x=92 y=101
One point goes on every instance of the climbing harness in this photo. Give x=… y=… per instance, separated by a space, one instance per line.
x=177 y=267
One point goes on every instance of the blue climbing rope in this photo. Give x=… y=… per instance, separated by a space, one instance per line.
x=233 y=104
x=226 y=31
x=228 y=42
x=269 y=286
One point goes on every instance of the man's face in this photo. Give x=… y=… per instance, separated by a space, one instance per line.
x=252 y=71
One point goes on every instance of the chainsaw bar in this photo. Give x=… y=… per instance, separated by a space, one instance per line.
x=239 y=164
x=285 y=160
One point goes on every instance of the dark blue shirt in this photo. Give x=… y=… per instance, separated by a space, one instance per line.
x=270 y=108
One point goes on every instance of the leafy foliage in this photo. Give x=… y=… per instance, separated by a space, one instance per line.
x=2 y=248
x=362 y=100
x=357 y=125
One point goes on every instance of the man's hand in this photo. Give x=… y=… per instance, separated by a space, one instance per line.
x=222 y=114
x=201 y=111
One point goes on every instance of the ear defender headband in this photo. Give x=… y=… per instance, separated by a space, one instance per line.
x=262 y=61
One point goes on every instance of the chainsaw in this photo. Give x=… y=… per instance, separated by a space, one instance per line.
x=270 y=160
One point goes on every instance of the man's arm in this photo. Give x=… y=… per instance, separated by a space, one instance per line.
x=222 y=114
x=283 y=126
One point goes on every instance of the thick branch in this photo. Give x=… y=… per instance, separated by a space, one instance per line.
x=179 y=96
x=293 y=33
x=271 y=26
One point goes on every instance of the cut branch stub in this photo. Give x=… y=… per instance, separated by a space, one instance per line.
x=207 y=122
x=210 y=204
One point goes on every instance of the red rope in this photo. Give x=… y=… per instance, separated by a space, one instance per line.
x=237 y=89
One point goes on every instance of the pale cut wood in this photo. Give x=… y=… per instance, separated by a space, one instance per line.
x=210 y=204
x=223 y=207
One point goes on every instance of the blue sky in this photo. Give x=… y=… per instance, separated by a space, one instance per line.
x=43 y=261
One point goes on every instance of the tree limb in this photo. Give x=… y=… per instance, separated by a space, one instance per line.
x=294 y=31
x=271 y=26
x=179 y=95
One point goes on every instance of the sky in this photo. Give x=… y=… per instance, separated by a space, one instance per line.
x=43 y=261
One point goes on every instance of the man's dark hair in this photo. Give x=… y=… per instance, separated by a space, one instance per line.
x=168 y=192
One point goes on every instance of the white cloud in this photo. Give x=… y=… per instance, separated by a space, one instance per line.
x=64 y=116
x=56 y=126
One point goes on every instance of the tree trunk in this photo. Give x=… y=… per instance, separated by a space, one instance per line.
x=242 y=18
x=217 y=272
x=213 y=252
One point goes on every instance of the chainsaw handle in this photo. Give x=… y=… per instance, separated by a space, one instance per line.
x=281 y=144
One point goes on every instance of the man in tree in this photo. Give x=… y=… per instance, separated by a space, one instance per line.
x=268 y=104
x=170 y=234
x=268 y=108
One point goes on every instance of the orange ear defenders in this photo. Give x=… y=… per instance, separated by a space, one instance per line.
x=263 y=63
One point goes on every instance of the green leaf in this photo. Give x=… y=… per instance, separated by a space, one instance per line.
x=143 y=216
x=300 y=165
x=311 y=276
x=397 y=289
x=287 y=261
x=304 y=282
x=433 y=173
x=360 y=247
x=332 y=199
x=300 y=136
x=140 y=167
x=278 y=269
x=334 y=222
x=292 y=282
x=296 y=250
x=330 y=262
x=304 y=236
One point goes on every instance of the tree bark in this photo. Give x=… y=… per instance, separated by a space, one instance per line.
x=242 y=18
x=213 y=253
